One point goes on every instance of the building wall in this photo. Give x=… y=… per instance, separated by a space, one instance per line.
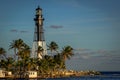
x=32 y=74
x=2 y=74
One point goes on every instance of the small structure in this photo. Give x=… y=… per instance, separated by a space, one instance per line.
x=32 y=74
x=2 y=73
x=8 y=73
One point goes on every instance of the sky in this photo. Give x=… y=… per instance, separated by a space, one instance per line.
x=91 y=27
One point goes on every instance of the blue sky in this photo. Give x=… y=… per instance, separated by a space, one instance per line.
x=92 y=27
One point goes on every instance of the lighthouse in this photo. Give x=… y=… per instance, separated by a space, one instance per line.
x=39 y=39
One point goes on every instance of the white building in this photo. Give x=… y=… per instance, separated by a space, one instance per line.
x=2 y=73
x=32 y=74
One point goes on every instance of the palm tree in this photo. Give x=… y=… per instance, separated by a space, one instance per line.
x=53 y=46
x=2 y=52
x=50 y=61
x=31 y=64
x=40 y=51
x=24 y=55
x=9 y=62
x=17 y=45
x=24 y=52
x=58 y=61
x=3 y=63
x=43 y=65
x=66 y=53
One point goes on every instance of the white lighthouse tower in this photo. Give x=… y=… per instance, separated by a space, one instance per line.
x=39 y=40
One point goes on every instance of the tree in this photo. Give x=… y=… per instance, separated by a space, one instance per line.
x=17 y=45
x=24 y=55
x=3 y=63
x=43 y=65
x=24 y=52
x=58 y=61
x=67 y=52
x=7 y=63
x=40 y=51
x=2 y=52
x=53 y=46
x=31 y=64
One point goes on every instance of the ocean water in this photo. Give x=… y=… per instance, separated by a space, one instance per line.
x=88 y=78
x=78 y=78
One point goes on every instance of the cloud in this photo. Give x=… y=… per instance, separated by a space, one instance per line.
x=100 y=54
x=81 y=49
x=86 y=56
x=56 y=26
x=101 y=60
x=13 y=30
x=23 y=31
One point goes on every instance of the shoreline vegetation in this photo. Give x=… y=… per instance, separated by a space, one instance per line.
x=58 y=74
x=50 y=66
